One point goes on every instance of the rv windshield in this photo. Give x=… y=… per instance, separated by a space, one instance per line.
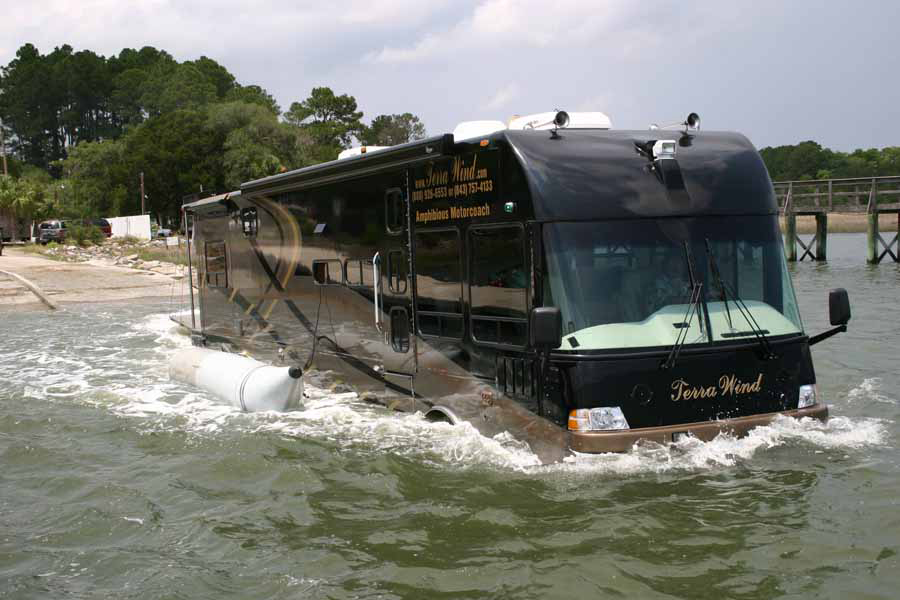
x=628 y=284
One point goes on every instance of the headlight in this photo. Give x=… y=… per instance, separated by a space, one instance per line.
x=808 y=396
x=605 y=418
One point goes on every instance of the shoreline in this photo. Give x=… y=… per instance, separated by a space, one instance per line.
x=843 y=223
x=73 y=282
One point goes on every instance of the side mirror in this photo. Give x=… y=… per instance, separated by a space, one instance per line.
x=546 y=327
x=838 y=306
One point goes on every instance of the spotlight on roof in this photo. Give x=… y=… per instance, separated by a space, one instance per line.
x=692 y=121
x=561 y=120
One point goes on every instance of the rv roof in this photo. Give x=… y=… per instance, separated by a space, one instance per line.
x=212 y=199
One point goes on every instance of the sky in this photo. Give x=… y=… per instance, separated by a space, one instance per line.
x=778 y=71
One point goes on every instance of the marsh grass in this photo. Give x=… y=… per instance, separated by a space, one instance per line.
x=843 y=223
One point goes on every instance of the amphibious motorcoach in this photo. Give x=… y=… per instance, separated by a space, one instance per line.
x=579 y=287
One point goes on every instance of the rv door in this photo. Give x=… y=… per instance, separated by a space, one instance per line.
x=393 y=302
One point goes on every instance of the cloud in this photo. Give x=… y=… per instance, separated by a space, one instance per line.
x=503 y=97
x=740 y=66
x=520 y=23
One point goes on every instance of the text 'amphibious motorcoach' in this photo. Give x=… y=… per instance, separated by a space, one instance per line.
x=578 y=287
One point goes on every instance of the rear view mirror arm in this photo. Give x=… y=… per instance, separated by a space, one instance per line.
x=827 y=334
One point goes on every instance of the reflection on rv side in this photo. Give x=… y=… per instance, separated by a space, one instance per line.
x=415 y=272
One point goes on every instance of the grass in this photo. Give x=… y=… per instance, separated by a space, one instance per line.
x=42 y=250
x=123 y=247
x=844 y=223
x=174 y=254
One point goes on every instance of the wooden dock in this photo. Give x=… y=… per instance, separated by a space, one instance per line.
x=870 y=196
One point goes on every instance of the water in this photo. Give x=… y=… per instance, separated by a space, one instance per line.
x=115 y=482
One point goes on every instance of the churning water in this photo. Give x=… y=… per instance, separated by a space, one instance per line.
x=116 y=482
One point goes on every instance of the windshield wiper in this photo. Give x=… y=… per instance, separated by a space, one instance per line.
x=725 y=290
x=692 y=309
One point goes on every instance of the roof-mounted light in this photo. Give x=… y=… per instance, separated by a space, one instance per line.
x=664 y=149
x=692 y=122
x=561 y=119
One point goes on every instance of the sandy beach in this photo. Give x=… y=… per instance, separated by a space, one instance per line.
x=92 y=281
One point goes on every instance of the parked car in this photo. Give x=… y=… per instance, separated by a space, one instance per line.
x=102 y=224
x=52 y=231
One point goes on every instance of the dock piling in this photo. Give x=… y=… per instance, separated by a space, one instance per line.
x=790 y=236
x=821 y=236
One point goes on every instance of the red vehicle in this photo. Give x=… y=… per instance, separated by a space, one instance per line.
x=101 y=224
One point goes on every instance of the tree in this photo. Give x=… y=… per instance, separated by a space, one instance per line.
x=331 y=121
x=26 y=108
x=390 y=130
x=97 y=178
x=178 y=153
x=255 y=143
x=253 y=94
x=222 y=80
x=26 y=197
x=178 y=87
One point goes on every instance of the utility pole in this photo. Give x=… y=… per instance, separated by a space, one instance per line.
x=3 y=148
x=142 y=193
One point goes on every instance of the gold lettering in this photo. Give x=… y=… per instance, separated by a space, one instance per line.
x=461 y=172
x=730 y=385
x=756 y=387
x=678 y=387
x=682 y=390
x=726 y=384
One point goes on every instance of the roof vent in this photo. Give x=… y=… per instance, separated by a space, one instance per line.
x=473 y=129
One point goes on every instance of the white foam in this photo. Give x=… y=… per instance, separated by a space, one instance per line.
x=869 y=389
x=691 y=454
x=169 y=334
x=143 y=391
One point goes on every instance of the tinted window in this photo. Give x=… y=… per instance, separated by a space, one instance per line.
x=216 y=266
x=328 y=272
x=438 y=283
x=397 y=271
x=359 y=272
x=395 y=209
x=498 y=286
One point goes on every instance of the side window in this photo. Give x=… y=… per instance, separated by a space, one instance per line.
x=216 y=265
x=498 y=285
x=395 y=210
x=249 y=222
x=359 y=272
x=397 y=271
x=328 y=272
x=438 y=283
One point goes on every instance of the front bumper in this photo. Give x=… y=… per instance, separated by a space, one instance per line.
x=621 y=441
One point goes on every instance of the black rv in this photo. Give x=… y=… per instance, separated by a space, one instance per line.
x=582 y=289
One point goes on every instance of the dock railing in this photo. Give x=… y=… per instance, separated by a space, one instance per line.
x=870 y=196
x=850 y=195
